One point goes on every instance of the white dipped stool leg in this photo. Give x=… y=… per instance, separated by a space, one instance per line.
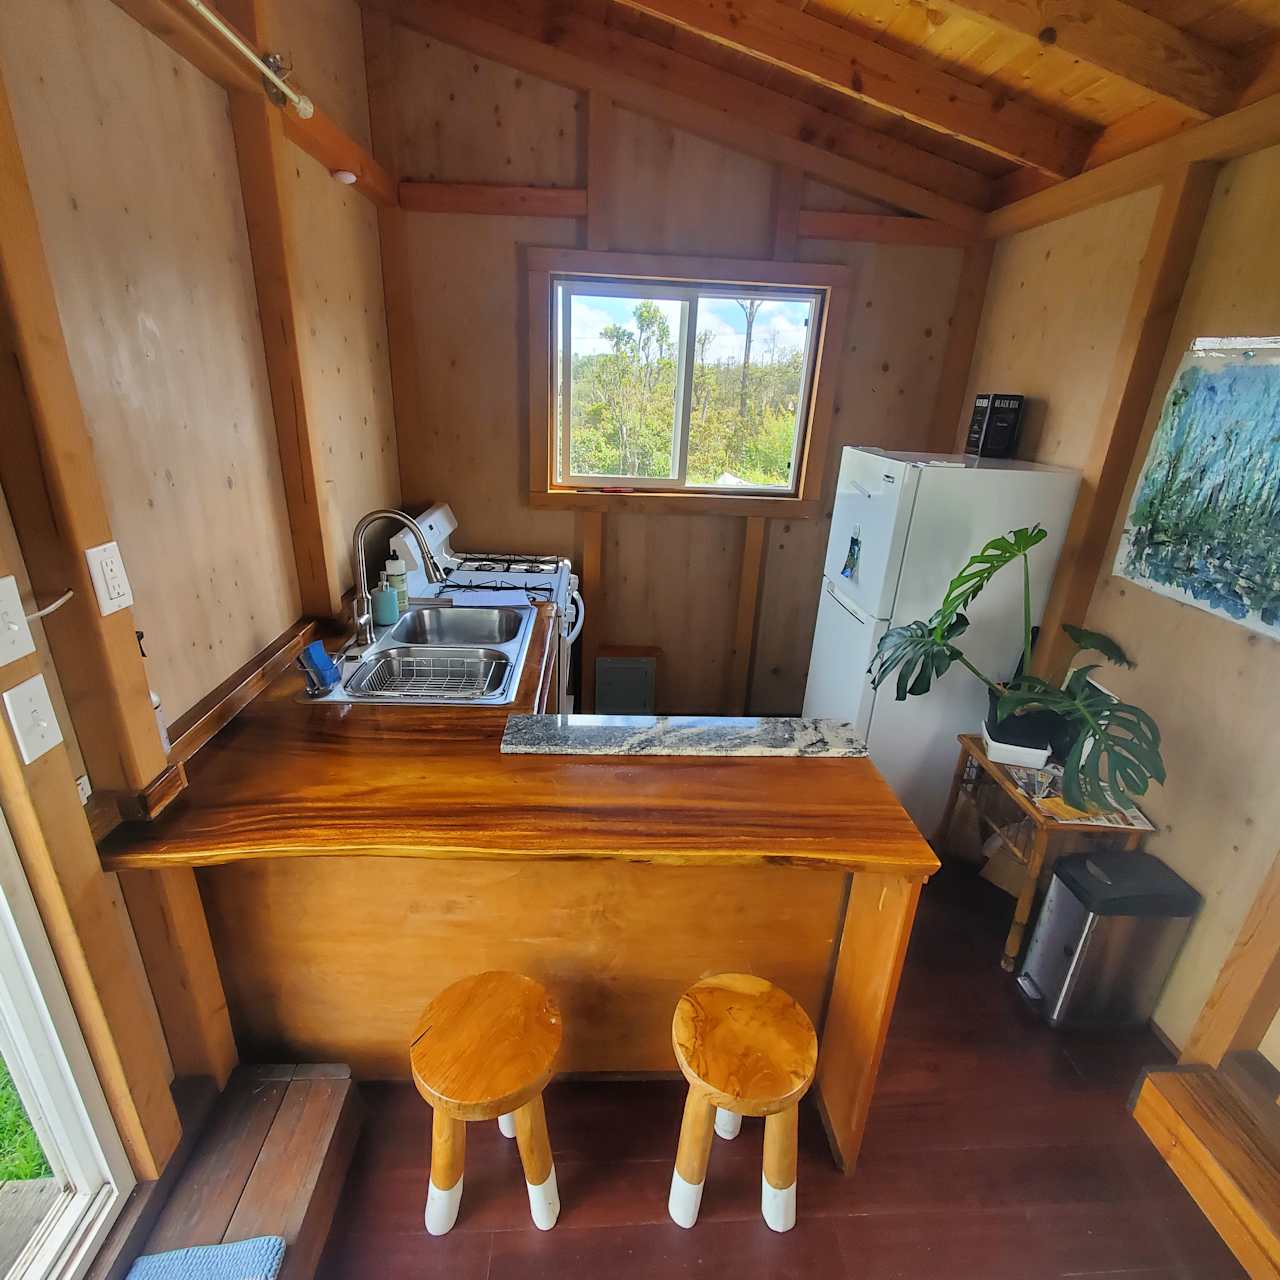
x=507 y=1125
x=539 y=1171
x=728 y=1123
x=692 y=1155
x=444 y=1191
x=778 y=1180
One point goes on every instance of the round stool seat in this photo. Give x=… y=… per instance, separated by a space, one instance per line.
x=744 y=1042
x=486 y=1045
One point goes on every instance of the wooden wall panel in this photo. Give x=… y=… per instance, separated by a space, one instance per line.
x=466 y=119
x=345 y=366
x=1057 y=298
x=671 y=581
x=130 y=160
x=338 y=276
x=1209 y=682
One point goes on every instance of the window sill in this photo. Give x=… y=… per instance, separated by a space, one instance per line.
x=668 y=502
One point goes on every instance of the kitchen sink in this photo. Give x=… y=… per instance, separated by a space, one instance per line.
x=440 y=655
x=459 y=625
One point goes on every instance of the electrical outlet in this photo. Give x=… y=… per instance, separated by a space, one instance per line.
x=110 y=582
x=15 y=634
x=84 y=787
x=31 y=713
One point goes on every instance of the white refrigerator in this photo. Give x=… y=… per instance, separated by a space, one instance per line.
x=902 y=526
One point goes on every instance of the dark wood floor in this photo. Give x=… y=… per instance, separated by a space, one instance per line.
x=997 y=1150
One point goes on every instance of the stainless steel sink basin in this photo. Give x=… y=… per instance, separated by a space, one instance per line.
x=440 y=655
x=426 y=672
x=458 y=626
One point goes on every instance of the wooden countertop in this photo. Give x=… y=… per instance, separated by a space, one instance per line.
x=288 y=778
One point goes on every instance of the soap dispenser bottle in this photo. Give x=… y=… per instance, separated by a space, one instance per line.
x=386 y=603
x=396 y=579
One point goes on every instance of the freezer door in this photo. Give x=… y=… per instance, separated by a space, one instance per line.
x=843 y=642
x=874 y=497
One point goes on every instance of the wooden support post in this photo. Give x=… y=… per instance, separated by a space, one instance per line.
x=1171 y=247
x=260 y=154
x=873 y=946
x=173 y=937
x=601 y=178
x=949 y=420
x=57 y=503
x=788 y=191
x=750 y=573
x=1246 y=997
x=89 y=932
x=393 y=232
x=591 y=532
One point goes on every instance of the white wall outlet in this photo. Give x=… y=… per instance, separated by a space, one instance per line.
x=84 y=787
x=110 y=582
x=15 y=634
x=35 y=725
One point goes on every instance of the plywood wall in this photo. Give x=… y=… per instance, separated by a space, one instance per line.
x=338 y=280
x=130 y=158
x=1055 y=308
x=671 y=581
x=1213 y=686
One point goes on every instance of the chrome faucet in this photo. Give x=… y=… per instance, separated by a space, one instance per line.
x=361 y=603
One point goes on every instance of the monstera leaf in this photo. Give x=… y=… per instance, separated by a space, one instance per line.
x=920 y=652
x=1096 y=642
x=1116 y=751
x=983 y=566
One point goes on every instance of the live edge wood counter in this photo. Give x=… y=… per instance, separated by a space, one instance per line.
x=354 y=860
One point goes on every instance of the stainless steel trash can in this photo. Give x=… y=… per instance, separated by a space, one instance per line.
x=1108 y=933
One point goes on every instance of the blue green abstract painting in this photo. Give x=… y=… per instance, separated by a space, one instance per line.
x=1204 y=523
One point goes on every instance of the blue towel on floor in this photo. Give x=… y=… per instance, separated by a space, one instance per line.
x=258 y=1259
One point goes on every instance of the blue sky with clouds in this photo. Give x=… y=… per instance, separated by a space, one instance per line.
x=779 y=326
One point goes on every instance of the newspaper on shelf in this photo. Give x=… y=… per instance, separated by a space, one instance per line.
x=1043 y=787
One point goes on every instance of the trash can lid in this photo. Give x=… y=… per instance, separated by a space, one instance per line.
x=1116 y=882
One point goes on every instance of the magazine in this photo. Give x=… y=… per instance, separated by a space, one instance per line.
x=1043 y=787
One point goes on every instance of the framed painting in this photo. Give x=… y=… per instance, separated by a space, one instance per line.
x=1204 y=523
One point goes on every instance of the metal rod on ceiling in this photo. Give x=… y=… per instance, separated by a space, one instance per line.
x=301 y=103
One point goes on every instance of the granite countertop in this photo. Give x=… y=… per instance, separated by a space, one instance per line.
x=585 y=735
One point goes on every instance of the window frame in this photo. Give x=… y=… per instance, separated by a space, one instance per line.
x=633 y=273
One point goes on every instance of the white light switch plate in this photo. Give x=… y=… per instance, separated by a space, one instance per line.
x=31 y=713
x=15 y=634
x=110 y=582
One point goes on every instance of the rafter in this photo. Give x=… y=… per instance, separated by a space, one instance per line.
x=1123 y=40
x=560 y=44
x=1249 y=129
x=851 y=64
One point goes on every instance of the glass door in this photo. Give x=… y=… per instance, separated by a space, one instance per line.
x=64 y=1174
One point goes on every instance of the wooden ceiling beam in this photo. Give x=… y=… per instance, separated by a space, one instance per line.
x=561 y=45
x=1124 y=41
x=851 y=64
x=178 y=25
x=1249 y=129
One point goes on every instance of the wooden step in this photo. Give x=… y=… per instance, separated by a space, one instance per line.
x=1221 y=1144
x=271 y=1161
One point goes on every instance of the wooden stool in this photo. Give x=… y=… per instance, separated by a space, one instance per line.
x=483 y=1050
x=746 y=1049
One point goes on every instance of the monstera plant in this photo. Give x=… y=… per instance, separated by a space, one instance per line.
x=1111 y=751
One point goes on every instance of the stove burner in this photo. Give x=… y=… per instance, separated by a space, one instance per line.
x=502 y=562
